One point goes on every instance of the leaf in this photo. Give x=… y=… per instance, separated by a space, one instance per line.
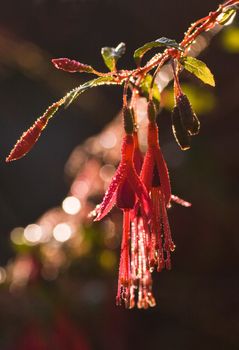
x=112 y=54
x=161 y=42
x=71 y=66
x=146 y=85
x=73 y=94
x=199 y=69
x=169 y=43
x=226 y=17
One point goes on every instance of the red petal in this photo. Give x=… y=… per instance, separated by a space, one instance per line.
x=140 y=190
x=147 y=169
x=110 y=195
x=163 y=174
x=125 y=197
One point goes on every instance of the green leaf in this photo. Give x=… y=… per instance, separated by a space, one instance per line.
x=226 y=17
x=161 y=42
x=146 y=85
x=73 y=94
x=199 y=69
x=112 y=54
x=169 y=43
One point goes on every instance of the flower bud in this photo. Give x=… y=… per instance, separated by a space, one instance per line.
x=71 y=66
x=180 y=133
x=151 y=111
x=128 y=120
x=188 y=117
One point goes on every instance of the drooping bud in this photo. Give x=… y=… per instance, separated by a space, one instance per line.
x=71 y=66
x=30 y=137
x=180 y=133
x=188 y=117
x=128 y=120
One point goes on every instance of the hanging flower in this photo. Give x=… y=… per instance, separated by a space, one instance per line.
x=128 y=193
x=156 y=179
x=125 y=186
x=155 y=176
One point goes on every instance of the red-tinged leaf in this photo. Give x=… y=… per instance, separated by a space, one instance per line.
x=71 y=66
x=30 y=137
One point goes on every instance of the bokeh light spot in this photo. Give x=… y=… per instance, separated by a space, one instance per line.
x=62 y=232
x=106 y=172
x=3 y=275
x=108 y=140
x=71 y=205
x=108 y=259
x=33 y=233
x=230 y=39
x=17 y=235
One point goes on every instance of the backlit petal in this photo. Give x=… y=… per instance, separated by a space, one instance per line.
x=110 y=196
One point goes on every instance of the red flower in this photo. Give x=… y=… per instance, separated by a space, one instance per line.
x=129 y=194
x=125 y=186
x=155 y=176
x=156 y=179
x=146 y=237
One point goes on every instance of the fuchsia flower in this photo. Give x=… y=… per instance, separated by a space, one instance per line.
x=155 y=176
x=126 y=185
x=156 y=179
x=146 y=237
x=129 y=194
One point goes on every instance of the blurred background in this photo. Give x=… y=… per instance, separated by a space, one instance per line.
x=58 y=272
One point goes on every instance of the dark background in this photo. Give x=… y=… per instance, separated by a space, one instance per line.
x=198 y=300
